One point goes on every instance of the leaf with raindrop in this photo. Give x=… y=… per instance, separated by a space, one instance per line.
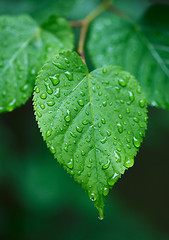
x=93 y=123
x=141 y=47
x=24 y=48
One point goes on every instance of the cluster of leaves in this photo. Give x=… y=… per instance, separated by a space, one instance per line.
x=94 y=122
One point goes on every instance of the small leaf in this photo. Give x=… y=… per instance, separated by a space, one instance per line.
x=24 y=48
x=141 y=48
x=93 y=123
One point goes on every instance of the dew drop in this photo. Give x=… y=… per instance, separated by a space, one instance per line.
x=72 y=172
x=11 y=105
x=67 y=117
x=57 y=93
x=103 y=120
x=58 y=65
x=120 y=128
x=136 y=142
x=52 y=149
x=87 y=113
x=42 y=106
x=88 y=139
x=128 y=110
x=50 y=103
x=81 y=102
x=48 y=133
x=88 y=174
x=69 y=76
x=66 y=148
x=105 y=191
x=129 y=162
x=108 y=133
x=129 y=146
x=113 y=179
x=142 y=103
x=103 y=140
x=24 y=88
x=70 y=164
x=135 y=119
x=131 y=97
x=55 y=79
x=32 y=72
x=89 y=165
x=139 y=90
x=48 y=88
x=82 y=153
x=92 y=196
x=39 y=114
x=73 y=134
x=67 y=61
x=37 y=90
x=120 y=116
x=82 y=94
x=122 y=82
x=43 y=95
x=79 y=129
x=104 y=70
x=106 y=165
x=85 y=122
x=117 y=156
x=104 y=104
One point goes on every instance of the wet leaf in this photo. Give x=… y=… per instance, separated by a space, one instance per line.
x=24 y=48
x=93 y=123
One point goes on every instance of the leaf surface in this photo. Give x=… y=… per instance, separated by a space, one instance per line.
x=24 y=48
x=141 y=48
x=93 y=123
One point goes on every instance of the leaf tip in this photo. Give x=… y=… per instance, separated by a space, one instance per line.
x=101 y=213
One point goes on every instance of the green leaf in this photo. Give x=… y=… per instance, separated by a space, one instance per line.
x=38 y=9
x=134 y=8
x=140 y=48
x=24 y=48
x=93 y=123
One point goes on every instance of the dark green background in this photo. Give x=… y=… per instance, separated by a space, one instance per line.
x=38 y=200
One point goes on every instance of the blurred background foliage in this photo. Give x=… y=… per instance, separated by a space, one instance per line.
x=38 y=200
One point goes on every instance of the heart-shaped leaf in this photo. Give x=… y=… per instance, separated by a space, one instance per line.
x=93 y=123
x=24 y=48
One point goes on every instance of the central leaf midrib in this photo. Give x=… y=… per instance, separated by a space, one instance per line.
x=93 y=123
x=22 y=47
x=151 y=49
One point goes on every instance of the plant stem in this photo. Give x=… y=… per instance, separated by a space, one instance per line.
x=84 y=24
x=76 y=23
x=118 y=12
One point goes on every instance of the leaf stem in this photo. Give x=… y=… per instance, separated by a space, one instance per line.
x=96 y=12
x=84 y=24
x=76 y=23
x=118 y=12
